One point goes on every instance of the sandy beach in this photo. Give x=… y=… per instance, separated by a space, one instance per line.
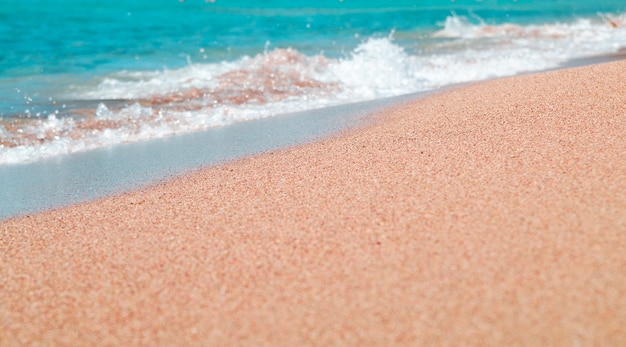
x=492 y=214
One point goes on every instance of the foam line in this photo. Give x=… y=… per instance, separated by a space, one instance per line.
x=83 y=176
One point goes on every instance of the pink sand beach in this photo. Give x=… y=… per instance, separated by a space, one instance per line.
x=492 y=214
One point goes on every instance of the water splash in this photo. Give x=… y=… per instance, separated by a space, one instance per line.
x=139 y=105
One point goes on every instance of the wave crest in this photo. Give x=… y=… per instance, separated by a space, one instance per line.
x=139 y=105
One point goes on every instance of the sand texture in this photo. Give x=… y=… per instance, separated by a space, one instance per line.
x=491 y=214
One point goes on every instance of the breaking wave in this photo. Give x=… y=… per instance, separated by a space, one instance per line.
x=139 y=105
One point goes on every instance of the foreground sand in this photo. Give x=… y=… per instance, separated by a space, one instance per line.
x=493 y=214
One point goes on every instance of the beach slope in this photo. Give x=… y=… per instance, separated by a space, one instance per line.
x=490 y=214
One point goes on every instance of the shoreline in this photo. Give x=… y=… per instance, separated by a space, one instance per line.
x=85 y=176
x=89 y=175
x=491 y=213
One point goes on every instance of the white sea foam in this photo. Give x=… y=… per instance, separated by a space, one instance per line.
x=199 y=96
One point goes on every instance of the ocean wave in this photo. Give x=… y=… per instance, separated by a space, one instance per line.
x=155 y=104
x=474 y=27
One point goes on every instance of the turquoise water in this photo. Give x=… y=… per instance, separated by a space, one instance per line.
x=72 y=36
x=81 y=74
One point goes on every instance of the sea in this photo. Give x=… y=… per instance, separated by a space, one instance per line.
x=78 y=75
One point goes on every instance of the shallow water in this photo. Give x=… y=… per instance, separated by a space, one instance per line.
x=78 y=75
x=83 y=176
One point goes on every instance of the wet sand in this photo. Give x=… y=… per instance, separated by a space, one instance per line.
x=87 y=175
x=490 y=214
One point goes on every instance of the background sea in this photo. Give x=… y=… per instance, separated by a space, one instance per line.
x=82 y=74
